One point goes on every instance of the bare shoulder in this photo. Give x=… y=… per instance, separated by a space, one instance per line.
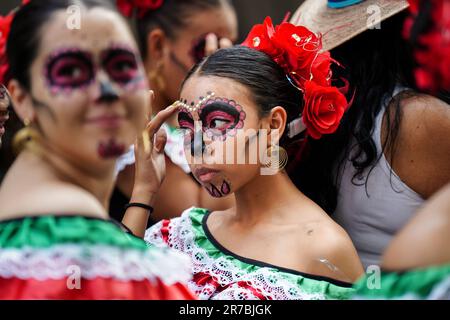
x=329 y=248
x=422 y=149
x=333 y=249
x=425 y=113
x=425 y=119
x=425 y=240
x=53 y=198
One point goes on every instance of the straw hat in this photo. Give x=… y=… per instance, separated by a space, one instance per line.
x=341 y=20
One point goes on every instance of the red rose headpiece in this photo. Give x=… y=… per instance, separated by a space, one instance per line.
x=432 y=52
x=5 y=26
x=141 y=7
x=298 y=51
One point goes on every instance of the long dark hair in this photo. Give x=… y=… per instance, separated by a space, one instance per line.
x=375 y=62
x=171 y=17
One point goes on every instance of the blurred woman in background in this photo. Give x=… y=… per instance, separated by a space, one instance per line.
x=174 y=35
x=83 y=97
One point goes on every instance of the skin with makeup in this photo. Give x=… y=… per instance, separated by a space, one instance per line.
x=4 y=110
x=170 y=57
x=68 y=75
x=85 y=97
x=273 y=223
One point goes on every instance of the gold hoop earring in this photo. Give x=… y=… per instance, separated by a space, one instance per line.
x=276 y=158
x=26 y=136
x=155 y=76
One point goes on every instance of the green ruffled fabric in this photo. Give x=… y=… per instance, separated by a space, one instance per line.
x=305 y=284
x=46 y=231
x=412 y=284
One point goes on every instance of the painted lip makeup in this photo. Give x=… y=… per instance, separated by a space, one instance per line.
x=107 y=121
x=205 y=174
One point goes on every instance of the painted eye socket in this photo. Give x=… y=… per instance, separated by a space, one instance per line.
x=219 y=117
x=121 y=65
x=70 y=70
x=185 y=122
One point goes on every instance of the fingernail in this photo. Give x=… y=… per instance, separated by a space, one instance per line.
x=159 y=147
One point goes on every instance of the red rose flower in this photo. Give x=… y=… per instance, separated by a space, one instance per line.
x=321 y=69
x=301 y=48
x=260 y=38
x=298 y=51
x=127 y=7
x=324 y=108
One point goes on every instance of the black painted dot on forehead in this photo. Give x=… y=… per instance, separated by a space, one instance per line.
x=192 y=103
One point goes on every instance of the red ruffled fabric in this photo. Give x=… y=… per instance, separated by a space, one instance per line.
x=96 y=289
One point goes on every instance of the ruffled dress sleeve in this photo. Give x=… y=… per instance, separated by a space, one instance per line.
x=62 y=257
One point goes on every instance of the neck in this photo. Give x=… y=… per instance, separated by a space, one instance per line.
x=97 y=181
x=263 y=197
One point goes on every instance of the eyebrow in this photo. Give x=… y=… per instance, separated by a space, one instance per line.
x=220 y=104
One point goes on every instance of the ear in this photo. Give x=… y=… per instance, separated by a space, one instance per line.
x=21 y=101
x=276 y=122
x=156 y=43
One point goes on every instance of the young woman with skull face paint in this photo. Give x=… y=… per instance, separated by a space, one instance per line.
x=84 y=97
x=173 y=36
x=276 y=243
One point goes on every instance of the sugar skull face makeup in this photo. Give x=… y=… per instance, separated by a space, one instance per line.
x=70 y=69
x=219 y=191
x=216 y=115
x=220 y=117
x=89 y=92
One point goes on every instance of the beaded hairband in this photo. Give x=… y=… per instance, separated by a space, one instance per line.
x=197 y=106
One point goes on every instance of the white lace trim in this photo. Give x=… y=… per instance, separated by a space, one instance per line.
x=269 y=282
x=95 y=261
x=174 y=149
